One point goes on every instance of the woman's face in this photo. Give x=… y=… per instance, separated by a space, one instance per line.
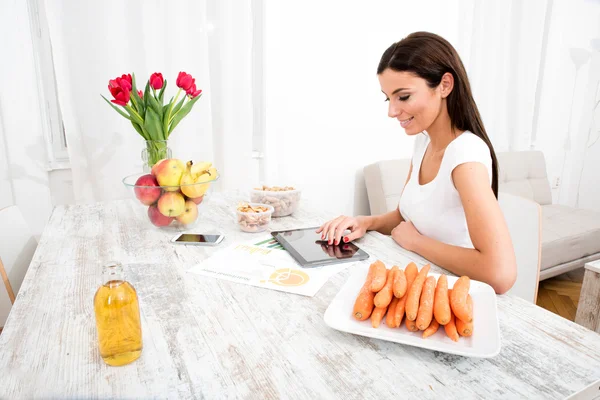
x=412 y=102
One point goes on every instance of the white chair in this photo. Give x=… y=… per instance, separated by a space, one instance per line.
x=17 y=246
x=385 y=180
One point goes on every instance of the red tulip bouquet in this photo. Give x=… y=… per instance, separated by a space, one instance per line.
x=146 y=110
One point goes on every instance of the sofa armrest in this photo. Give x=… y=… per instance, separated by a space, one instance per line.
x=523 y=218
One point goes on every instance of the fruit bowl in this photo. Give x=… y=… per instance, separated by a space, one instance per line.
x=173 y=192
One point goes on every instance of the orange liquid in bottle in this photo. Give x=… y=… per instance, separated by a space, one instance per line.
x=118 y=319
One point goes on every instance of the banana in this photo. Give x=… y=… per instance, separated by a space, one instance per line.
x=195 y=174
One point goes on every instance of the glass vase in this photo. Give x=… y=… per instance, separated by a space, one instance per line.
x=155 y=151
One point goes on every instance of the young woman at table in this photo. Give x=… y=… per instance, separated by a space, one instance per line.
x=448 y=212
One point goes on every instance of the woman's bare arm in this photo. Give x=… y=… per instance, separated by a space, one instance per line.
x=493 y=259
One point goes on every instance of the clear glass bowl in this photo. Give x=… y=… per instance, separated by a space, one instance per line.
x=284 y=202
x=253 y=221
x=169 y=206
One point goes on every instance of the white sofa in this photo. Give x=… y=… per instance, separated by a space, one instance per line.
x=570 y=236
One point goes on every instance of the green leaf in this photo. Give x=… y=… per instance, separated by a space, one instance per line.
x=116 y=108
x=138 y=104
x=147 y=95
x=155 y=106
x=139 y=130
x=182 y=113
x=162 y=92
x=153 y=125
x=132 y=114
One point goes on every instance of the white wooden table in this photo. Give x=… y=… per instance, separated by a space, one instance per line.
x=588 y=309
x=209 y=338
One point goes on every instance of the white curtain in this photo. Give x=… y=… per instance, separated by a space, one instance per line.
x=100 y=40
x=23 y=153
x=533 y=66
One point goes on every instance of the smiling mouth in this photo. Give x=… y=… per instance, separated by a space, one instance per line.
x=404 y=123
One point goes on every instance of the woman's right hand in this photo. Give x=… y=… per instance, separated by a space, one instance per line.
x=334 y=229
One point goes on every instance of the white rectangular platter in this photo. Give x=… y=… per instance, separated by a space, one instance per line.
x=484 y=343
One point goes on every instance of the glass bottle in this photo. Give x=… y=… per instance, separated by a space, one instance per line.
x=117 y=318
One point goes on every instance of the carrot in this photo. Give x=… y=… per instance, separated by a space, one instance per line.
x=425 y=313
x=465 y=328
x=411 y=273
x=390 y=318
x=431 y=329
x=458 y=299
x=411 y=325
x=379 y=276
x=399 y=283
x=414 y=294
x=377 y=316
x=399 y=311
x=363 y=305
x=384 y=297
x=441 y=302
x=450 y=329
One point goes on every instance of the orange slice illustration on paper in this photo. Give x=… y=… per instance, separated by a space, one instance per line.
x=288 y=277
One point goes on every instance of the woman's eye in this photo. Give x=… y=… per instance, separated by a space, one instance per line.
x=404 y=98
x=387 y=99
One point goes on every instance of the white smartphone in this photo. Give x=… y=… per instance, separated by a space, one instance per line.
x=198 y=239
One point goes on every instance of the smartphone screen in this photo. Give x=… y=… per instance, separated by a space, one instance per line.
x=197 y=238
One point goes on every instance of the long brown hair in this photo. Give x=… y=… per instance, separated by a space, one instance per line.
x=430 y=56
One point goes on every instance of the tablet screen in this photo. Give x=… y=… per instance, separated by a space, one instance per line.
x=307 y=247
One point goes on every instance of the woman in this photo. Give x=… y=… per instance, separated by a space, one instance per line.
x=448 y=212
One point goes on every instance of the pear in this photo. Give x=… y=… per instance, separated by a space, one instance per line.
x=195 y=174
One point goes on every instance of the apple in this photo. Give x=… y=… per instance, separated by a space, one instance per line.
x=168 y=173
x=190 y=213
x=155 y=166
x=146 y=189
x=198 y=200
x=157 y=218
x=171 y=204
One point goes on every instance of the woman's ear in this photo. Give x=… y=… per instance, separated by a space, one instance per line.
x=446 y=84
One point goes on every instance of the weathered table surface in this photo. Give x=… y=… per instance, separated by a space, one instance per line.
x=206 y=337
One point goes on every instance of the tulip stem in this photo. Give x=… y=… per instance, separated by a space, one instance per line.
x=168 y=116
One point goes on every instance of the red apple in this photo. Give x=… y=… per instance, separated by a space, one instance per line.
x=157 y=218
x=146 y=189
x=198 y=200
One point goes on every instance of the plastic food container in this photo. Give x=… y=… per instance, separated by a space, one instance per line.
x=284 y=200
x=254 y=217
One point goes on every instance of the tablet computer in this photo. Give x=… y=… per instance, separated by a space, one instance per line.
x=306 y=246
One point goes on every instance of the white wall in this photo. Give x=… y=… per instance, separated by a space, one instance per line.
x=25 y=160
x=326 y=118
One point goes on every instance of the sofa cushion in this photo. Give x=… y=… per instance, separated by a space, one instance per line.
x=568 y=234
x=523 y=173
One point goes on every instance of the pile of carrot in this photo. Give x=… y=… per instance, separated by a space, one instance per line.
x=427 y=304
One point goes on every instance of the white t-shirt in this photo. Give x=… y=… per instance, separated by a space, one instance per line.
x=435 y=208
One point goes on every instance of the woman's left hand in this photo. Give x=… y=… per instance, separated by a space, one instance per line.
x=406 y=235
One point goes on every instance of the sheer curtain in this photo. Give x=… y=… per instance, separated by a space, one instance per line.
x=533 y=68
x=96 y=41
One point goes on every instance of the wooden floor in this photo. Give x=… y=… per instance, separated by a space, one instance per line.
x=560 y=294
